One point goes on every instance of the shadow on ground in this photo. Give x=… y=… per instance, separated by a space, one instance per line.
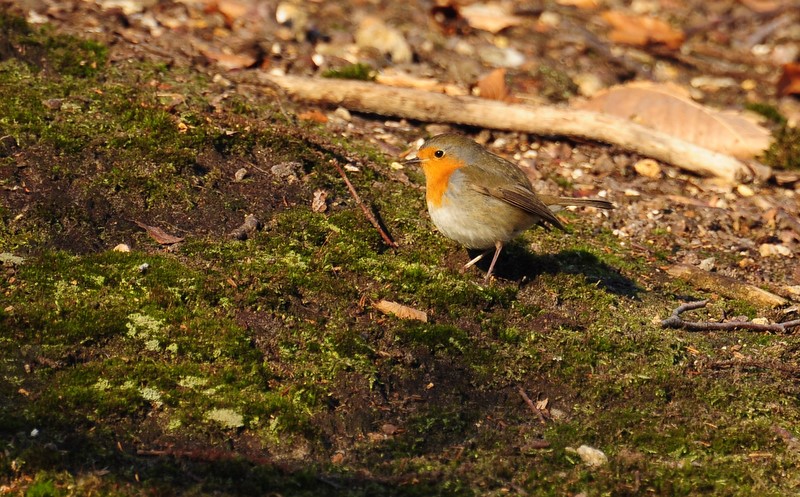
x=520 y=265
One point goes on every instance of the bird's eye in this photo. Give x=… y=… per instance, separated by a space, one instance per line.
x=439 y=154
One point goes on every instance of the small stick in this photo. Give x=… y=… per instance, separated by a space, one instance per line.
x=370 y=215
x=725 y=285
x=532 y=406
x=675 y=321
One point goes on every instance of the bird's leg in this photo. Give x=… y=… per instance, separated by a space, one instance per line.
x=498 y=246
x=475 y=260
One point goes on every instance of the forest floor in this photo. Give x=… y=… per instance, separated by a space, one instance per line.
x=147 y=349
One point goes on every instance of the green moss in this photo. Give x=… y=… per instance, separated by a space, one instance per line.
x=769 y=111
x=359 y=71
x=784 y=152
x=557 y=86
x=43 y=488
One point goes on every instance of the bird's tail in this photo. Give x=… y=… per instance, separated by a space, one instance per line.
x=557 y=203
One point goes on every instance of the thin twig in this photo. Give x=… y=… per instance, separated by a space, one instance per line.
x=675 y=321
x=367 y=212
x=531 y=405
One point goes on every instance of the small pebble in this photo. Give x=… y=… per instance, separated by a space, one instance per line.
x=773 y=249
x=240 y=174
x=592 y=457
x=374 y=33
x=343 y=114
x=707 y=264
x=745 y=191
x=288 y=171
x=648 y=168
x=122 y=247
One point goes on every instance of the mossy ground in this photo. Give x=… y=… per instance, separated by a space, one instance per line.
x=248 y=368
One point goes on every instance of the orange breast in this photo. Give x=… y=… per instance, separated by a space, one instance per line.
x=437 y=176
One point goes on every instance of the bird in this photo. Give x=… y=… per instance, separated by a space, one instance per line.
x=482 y=200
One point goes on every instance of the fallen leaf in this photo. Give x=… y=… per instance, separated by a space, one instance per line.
x=390 y=429
x=319 y=202
x=668 y=108
x=313 y=115
x=160 y=235
x=232 y=9
x=491 y=17
x=493 y=85
x=401 y=311
x=789 y=84
x=228 y=61
x=641 y=30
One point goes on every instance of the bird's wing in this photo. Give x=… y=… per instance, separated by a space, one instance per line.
x=523 y=199
x=553 y=201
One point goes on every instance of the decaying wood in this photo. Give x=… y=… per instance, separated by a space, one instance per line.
x=725 y=286
x=541 y=120
x=676 y=321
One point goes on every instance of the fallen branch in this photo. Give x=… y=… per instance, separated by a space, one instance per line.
x=541 y=120
x=676 y=321
x=725 y=286
x=386 y=238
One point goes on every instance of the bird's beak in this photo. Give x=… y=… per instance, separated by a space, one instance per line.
x=413 y=161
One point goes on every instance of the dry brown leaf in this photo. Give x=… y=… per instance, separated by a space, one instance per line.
x=400 y=310
x=230 y=9
x=493 y=85
x=641 y=30
x=159 y=235
x=228 y=61
x=313 y=115
x=668 y=108
x=789 y=84
x=320 y=201
x=491 y=17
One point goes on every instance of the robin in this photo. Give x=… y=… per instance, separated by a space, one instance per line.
x=481 y=200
